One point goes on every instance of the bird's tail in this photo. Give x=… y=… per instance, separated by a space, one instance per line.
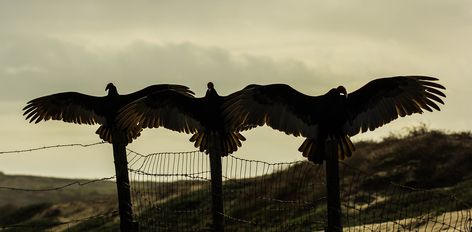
x=315 y=149
x=106 y=133
x=224 y=144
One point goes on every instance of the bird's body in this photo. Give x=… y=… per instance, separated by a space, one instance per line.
x=201 y=117
x=335 y=115
x=329 y=127
x=80 y=108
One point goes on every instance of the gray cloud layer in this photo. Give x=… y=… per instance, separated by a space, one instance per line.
x=43 y=65
x=54 y=46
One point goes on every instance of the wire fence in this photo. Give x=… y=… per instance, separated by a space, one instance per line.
x=171 y=192
x=53 y=220
x=77 y=183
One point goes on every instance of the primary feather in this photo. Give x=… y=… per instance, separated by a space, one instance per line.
x=85 y=109
x=179 y=112
x=334 y=115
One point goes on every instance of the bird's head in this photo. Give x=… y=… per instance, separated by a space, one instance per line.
x=210 y=85
x=341 y=90
x=211 y=90
x=111 y=89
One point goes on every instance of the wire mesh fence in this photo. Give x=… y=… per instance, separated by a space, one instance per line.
x=398 y=207
x=171 y=192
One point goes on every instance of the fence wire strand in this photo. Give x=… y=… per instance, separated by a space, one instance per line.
x=78 y=183
x=50 y=147
x=61 y=223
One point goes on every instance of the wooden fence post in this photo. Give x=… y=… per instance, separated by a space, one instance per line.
x=332 y=187
x=122 y=183
x=216 y=191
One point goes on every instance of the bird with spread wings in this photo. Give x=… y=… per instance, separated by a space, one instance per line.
x=179 y=112
x=80 y=108
x=335 y=115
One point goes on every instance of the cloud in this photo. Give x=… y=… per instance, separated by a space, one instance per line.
x=55 y=46
x=409 y=21
x=47 y=65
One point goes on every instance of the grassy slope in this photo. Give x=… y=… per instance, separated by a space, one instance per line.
x=422 y=159
x=46 y=207
x=88 y=192
x=435 y=164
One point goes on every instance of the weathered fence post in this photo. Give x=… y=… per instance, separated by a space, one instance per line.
x=332 y=187
x=122 y=182
x=216 y=191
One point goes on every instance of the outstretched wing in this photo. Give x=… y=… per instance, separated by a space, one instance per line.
x=278 y=105
x=68 y=107
x=171 y=109
x=383 y=100
x=127 y=98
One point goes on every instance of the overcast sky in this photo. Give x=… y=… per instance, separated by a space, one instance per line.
x=54 y=46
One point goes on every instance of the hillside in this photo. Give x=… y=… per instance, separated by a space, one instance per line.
x=399 y=178
x=79 y=200
x=79 y=189
x=423 y=159
x=426 y=160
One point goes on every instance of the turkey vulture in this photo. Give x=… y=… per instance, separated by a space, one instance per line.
x=180 y=112
x=335 y=115
x=85 y=109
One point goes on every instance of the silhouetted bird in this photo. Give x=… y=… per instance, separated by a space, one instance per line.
x=335 y=115
x=179 y=112
x=85 y=109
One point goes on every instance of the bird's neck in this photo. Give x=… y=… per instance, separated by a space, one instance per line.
x=211 y=93
x=112 y=92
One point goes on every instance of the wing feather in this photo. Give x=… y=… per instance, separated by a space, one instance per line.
x=69 y=107
x=127 y=98
x=168 y=108
x=383 y=100
x=278 y=106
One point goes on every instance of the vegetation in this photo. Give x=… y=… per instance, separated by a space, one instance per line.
x=411 y=173
x=89 y=192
